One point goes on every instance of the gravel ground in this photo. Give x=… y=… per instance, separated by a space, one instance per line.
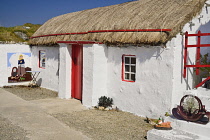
x=28 y=93
x=96 y=124
x=8 y=131
x=107 y=125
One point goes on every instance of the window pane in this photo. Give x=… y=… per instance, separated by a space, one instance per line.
x=127 y=68
x=133 y=60
x=127 y=60
x=133 y=77
x=133 y=69
x=127 y=76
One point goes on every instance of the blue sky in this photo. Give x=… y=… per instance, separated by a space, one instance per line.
x=19 y=12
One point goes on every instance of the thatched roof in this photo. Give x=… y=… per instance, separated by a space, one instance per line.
x=142 y=14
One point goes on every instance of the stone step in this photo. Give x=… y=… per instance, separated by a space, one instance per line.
x=205 y=101
x=203 y=91
x=204 y=95
x=190 y=127
x=173 y=134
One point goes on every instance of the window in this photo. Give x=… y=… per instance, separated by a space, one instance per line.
x=42 y=59
x=129 y=68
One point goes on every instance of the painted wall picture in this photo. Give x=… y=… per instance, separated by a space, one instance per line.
x=42 y=58
x=18 y=64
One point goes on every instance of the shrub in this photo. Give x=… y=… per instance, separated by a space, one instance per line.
x=105 y=101
x=205 y=61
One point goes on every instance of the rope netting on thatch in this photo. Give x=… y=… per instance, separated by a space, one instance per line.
x=142 y=14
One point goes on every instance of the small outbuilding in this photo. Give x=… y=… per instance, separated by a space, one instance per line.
x=132 y=52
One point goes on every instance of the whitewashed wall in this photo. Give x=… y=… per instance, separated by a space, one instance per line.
x=94 y=73
x=159 y=84
x=87 y=92
x=201 y=22
x=65 y=71
x=150 y=94
x=5 y=71
x=161 y=77
x=48 y=77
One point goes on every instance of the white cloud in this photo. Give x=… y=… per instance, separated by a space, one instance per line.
x=15 y=57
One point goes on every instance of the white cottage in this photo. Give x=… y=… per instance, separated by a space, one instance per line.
x=131 y=52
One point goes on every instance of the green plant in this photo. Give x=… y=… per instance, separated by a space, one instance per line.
x=167 y=114
x=105 y=101
x=204 y=61
x=7 y=33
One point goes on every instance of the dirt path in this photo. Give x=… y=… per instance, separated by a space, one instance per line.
x=9 y=131
x=28 y=93
x=96 y=124
x=106 y=125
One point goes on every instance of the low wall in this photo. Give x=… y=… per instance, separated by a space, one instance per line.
x=9 y=58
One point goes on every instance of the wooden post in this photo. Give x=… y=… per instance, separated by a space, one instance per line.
x=198 y=52
x=185 y=54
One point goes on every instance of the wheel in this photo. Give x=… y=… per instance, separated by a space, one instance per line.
x=190 y=108
x=14 y=71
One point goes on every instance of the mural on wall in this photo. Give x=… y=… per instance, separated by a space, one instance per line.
x=42 y=58
x=18 y=64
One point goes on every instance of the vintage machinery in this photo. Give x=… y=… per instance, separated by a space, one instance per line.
x=191 y=109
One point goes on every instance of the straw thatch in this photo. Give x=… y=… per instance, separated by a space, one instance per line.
x=142 y=14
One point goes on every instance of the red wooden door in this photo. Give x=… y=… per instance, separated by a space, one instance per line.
x=77 y=68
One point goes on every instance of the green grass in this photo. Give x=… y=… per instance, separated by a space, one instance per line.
x=7 y=33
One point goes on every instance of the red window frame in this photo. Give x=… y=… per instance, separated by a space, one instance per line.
x=129 y=72
x=40 y=66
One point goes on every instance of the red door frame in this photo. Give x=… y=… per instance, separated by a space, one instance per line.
x=77 y=71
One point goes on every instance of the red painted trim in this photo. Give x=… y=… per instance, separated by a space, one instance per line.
x=41 y=68
x=103 y=31
x=128 y=81
x=39 y=60
x=77 y=71
x=201 y=34
x=198 y=51
x=80 y=42
x=201 y=83
x=122 y=67
x=201 y=45
x=196 y=66
x=185 y=55
x=198 y=45
x=123 y=70
x=72 y=73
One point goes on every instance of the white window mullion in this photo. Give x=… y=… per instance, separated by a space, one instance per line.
x=129 y=68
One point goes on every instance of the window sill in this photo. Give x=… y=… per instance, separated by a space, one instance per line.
x=128 y=81
x=41 y=68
